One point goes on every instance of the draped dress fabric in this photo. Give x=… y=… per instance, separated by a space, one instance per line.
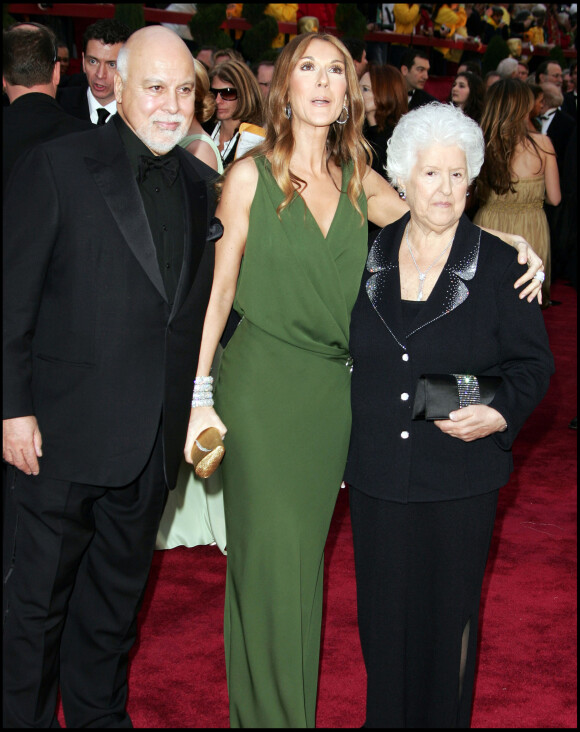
x=194 y=511
x=521 y=213
x=283 y=392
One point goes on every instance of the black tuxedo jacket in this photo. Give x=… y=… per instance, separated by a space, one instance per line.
x=419 y=98
x=73 y=99
x=29 y=120
x=472 y=322
x=570 y=105
x=560 y=131
x=91 y=346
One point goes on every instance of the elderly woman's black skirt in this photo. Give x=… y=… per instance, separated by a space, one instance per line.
x=419 y=572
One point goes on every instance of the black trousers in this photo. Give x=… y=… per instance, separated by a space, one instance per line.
x=76 y=563
x=419 y=571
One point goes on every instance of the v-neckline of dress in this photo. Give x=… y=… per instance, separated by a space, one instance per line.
x=342 y=171
x=313 y=217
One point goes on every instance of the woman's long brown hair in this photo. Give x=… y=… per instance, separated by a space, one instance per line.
x=504 y=123
x=345 y=143
x=390 y=93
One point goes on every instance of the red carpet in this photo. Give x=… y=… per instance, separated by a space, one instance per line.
x=527 y=665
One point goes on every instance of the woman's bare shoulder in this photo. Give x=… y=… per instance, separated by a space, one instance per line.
x=241 y=181
x=543 y=142
x=243 y=172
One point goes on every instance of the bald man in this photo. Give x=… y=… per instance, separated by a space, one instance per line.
x=108 y=269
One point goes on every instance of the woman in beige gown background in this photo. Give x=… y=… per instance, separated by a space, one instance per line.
x=519 y=171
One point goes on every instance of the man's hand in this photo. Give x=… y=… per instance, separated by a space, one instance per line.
x=22 y=443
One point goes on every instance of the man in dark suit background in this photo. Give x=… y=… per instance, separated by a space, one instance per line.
x=558 y=125
x=415 y=69
x=550 y=71
x=562 y=130
x=570 y=103
x=31 y=75
x=94 y=98
x=108 y=270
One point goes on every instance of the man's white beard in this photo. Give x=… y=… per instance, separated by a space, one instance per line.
x=159 y=140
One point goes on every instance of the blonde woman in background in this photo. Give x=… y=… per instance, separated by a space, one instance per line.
x=198 y=142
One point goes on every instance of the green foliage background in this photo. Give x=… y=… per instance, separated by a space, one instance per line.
x=132 y=14
x=497 y=49
x=205 y=26
x=350 y=21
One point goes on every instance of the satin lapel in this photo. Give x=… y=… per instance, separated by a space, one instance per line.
x=451 y=289
x=113 y=175
x=196 y=220
x=384 y=285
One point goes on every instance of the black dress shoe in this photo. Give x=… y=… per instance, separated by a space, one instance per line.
x=573 y=424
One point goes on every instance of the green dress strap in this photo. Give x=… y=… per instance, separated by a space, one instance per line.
x=206 y=138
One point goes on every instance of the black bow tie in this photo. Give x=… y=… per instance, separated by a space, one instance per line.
x=169 y=167
x=549 y=115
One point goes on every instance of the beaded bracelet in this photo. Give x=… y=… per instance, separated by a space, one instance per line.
x=202 y=392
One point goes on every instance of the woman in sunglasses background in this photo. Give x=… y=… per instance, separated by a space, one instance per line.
x=238 y=99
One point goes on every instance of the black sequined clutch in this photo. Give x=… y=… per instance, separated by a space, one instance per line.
x=439 y=394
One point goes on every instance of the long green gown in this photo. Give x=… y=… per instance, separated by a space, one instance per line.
x=283 y=391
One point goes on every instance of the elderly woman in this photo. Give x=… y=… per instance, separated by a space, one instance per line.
x=437 y=301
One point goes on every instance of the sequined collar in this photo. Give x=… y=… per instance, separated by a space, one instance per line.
x=383 y=286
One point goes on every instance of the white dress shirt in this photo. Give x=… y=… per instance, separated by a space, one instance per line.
x=546 y=119
x=94 y=104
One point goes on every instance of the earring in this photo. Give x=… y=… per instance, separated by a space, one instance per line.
x=402 y=194
x=288 y=111
x=467 y=194
x=344 y=121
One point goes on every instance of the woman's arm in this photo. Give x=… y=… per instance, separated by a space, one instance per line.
x=551 y=173
x=526 y=255
x=384 y=204
x=234 y=213
x=204 y=152
x=526 y=364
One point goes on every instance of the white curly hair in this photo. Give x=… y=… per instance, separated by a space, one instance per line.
x=433 y=124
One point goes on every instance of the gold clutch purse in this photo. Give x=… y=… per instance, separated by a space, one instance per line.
x=207 y=452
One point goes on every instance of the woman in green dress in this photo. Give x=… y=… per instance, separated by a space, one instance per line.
x=296 y=210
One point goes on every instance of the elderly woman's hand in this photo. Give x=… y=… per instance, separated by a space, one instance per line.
x=472 y=423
